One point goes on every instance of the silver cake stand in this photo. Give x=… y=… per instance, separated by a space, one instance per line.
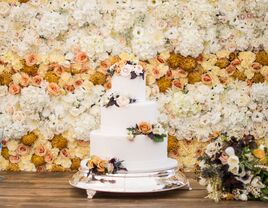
x=148 y=182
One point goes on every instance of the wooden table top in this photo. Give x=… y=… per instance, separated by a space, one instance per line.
x=53 y=190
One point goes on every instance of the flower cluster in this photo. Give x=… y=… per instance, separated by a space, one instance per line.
x=143 y=27
x=77 y=113
x=33 y=152
x=234 y=168
x=117 y=100
x=153 y=131
x=127 y=69
x=98 y=166
x=202 y=111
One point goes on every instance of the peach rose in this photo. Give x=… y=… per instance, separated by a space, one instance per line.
x=65 y=153
x=41 y=169
x=102 y=164
x=82 y=143
x=230 y=69
x=81 y=57
x=49 y=157
x=69 y=88
x=14 y=89
x=14 y=159
x=31 y=59
x=182 y=73
x=78 y=83
x=170 y=74
x=36 y=80
x=23 y=150
x=145 y=127
x=53 y=89
x=256 y=67
x=156 y=73
x=206 y=79
x=223 y=158
x=40 y=150
x=25 y=79
x=177 y=85
x=236 y=62
x=108 y=85
x=58 y=70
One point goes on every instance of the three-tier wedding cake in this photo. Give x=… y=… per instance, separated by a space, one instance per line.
x=129 y=130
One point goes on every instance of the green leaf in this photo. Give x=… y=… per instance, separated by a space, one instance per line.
x=264 y=191
x=158 y=138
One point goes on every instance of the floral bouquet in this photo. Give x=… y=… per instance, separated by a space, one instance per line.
x=235 y=169
x=98 y=166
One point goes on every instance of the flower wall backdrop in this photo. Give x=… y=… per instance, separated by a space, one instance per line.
x=207 y=72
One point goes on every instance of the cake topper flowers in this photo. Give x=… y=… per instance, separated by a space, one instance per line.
x=127 y=69
x=117 y=100
x=153 y=131
x=99 y=166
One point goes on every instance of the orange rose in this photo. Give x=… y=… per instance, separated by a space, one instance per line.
x=49 y=157
x=206 y=79
x=40 y=150
x=177 y=85
x=156 y=73
x=14 y=159
x=69 y=87
x=14 y=89
x=81 y=57
x=53 y=89
x=30 y=59
x=259 y=153
x=145 y=127
x=36 y=80
x=25 y=79
x=23 y=149
x=102 y=164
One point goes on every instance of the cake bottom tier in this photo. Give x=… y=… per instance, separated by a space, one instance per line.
x=140 y=155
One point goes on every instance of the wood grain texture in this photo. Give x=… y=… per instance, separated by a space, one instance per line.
x=53 y=190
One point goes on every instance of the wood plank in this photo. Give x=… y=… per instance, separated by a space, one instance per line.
x=53 y=190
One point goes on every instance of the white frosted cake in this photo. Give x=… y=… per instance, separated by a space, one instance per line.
x=125 y=111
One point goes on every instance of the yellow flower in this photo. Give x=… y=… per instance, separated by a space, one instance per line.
x=59 y=142
x=75 y=163
x=164 y=84
x=247 y=58
x=57 y=168
x=5 y=78
x=259 y=153
x=98 y=78
x=258 y=78
x=101 y=166
x=262 y=57
x=38 y=160
x=13 y=167
x=222 y=54
x=51 y=77
x=172 y=143
x=222 y=62
x=5 y=153
x=29 y=139
x=30 y=70
x=93 y=162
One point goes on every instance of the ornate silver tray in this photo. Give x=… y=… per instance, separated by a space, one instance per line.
x=163 y=180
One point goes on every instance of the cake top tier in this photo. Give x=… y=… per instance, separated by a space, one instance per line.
x=128 y=78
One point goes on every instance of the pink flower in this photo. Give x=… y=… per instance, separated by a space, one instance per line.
x=53 y=89
x=14 y=159
x=177 y=85
x=82 y=143
x=25 y=79
x=206 y=79
x=156 y=73
x=65 y=153
x=36 y=80
x=182 y=73
x=230 y=69
x=78 y=83
x=30 y=59
x=14 y=89
x=40 y=150
x=125 y=70
x=256 y=67
x=49 y=157
x=69 y=87
x=58 y=70
x=23 y=150
x=80 y=57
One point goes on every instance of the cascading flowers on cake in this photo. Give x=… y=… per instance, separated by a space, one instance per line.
x=117 y=100
x=153 y=131
x=235 y=169
x=127 y=69
x=99 y=166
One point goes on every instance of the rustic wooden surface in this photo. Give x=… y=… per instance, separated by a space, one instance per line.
x=53 y=190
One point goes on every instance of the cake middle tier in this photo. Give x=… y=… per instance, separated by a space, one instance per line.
x=117 y=120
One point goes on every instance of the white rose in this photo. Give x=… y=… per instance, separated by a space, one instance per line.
x=18 y=116
x=256 y=182
x=125 y=71
x=233 y=162
x=202 y=181
x=138 y=69
x=243 y=197
x=4 y=8
x=3 y=91
x=158 y=130
x=230 y=151
x=122 y=101
x=12 y=145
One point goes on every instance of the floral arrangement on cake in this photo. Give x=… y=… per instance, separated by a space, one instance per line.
x=99 y=166
x=235 y=169
x=127 y=69
x=153 y=131
x=117 y=100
